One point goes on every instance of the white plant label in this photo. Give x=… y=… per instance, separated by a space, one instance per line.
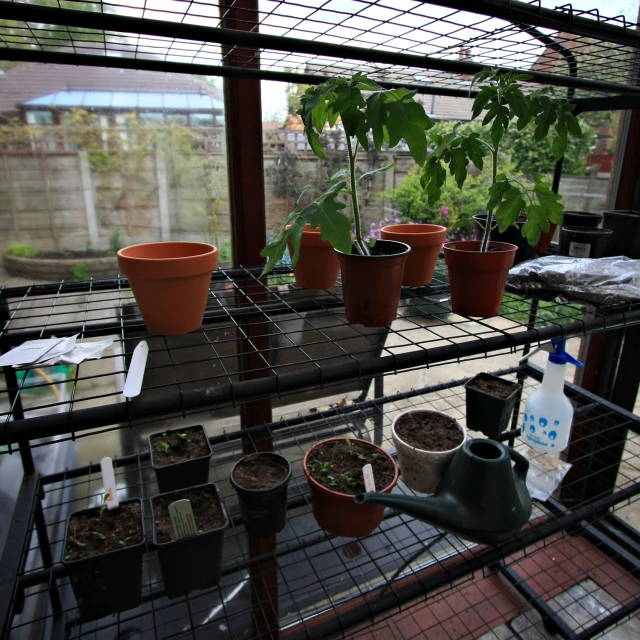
x=133 y=383
x=181 y=515
x=579 y=250
x=109 y=482
x=369 y=484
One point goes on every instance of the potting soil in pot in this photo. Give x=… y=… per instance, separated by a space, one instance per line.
x=207 y=513
x=260 y=472
x=497 y=388
x=91 y=534
x=338 y=466
x=429 y=432
x=192 y=445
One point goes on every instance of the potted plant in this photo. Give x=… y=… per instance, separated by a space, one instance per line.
x=190 y=562
x=318 y=265
x=180 y=457
x=170 y=282
x=478 y=269
x=426 y=442
x=334 y=472
x=490 y=402
x=103 y=557
x=371 y=274
x=261 y=480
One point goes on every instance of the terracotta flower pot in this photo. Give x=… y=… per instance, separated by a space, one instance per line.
x=336 y=512
x=170 y=281
x=422 y=470
x=545 y=240
x=477 y=279
x=371 y=285
x=425 y=241
x=318 y=264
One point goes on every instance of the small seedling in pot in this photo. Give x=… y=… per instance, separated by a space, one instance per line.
x=182 y=436
x=122 y=543
x=325 y=467
x=103 y=506
x=77 y=542
x=97 y=534
x=349 y=478
x=166 y=447
x=332 y=482
x=375 y=456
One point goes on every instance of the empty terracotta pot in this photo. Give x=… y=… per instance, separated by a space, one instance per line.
x=371 y=285
x=318 y=264
x=477 y=279
x=425 y=241
x=170 y=281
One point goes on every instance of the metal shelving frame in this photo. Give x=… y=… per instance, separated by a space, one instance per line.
x=593 y=57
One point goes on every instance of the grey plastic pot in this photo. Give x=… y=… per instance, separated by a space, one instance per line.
x=422 y=470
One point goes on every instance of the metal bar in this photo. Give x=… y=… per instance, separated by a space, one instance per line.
x=14 y=547
x=45 y=553
x=236 y=38
x=551 y=620
x=200 y=399
x=611 y=619
x=606 y=103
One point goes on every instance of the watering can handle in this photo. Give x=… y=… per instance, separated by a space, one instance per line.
x=522 y=464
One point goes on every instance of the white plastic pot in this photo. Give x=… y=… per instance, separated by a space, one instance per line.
x=422 y=470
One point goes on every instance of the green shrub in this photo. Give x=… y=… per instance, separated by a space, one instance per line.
x=81 y=271
x=21 y=251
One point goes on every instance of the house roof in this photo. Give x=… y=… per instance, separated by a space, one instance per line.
x=32 y=80
x=128 y=100
x=446 y=107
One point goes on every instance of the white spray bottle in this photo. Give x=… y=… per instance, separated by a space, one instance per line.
x=548 y=414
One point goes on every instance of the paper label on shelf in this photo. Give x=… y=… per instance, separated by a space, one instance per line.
x=369 y=484
x=109 y=482
x=181 y=515
x=579 y=249
x=29 y=352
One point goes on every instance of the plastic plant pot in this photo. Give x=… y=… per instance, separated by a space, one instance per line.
x=181 y=475
x=170 y=282
x=477 y=279
x=425 y=241
x=264 y=511
x=583 y=242
x=581 y=219
x=371 y=285
x=513 y=235
x=422 y=470
x=107 y=583
x=318 y=265
x=192 y=563
x=336 y=512
x=487 y=413
x=625 y=240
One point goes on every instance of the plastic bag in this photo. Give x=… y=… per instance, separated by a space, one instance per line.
x=602 y=282
x=546 y=472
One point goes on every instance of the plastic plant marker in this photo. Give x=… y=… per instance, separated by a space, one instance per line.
x=369 y=483
x=181 y=515
x=109 y=482
x=133 y=383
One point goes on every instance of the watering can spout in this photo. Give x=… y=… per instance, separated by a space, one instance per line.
x=435 y=511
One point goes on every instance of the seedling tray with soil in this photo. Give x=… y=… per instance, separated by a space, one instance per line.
x=426 y=442
x=180 y=458
x=261 y=480
x=490 y=402
x=103 y=557
x=192 y=562
x=334 y=472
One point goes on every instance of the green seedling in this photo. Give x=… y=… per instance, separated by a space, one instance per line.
x=325 y=467
x=77 y=542
x=97 y=534
x=332 y=481
x=166 y=447
x=349 y=478
x=351 y=451
x=361 y=457
x=123 y=542
x=103 y=506
x=182 y=436
x=374 y=456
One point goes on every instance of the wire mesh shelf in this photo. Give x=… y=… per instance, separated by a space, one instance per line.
x=433 y=46
x=260 y=339
x=326 y=584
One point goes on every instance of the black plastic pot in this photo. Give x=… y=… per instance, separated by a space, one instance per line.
x=264 y=512
x=486 y=413
x=513 y=235
x=108 y=583
x=581 y=219
x=191 y=563
x=625 y=240
x=182 y=475
x=583 y=242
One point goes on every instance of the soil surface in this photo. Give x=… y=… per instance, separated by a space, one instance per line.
x=497 y=388
x=193 y=445
x=260 y=472
x=74 y=255
x=91 y=534
x=492 y=249
x=207 y=512
x=338 y=466
x=429 y=431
